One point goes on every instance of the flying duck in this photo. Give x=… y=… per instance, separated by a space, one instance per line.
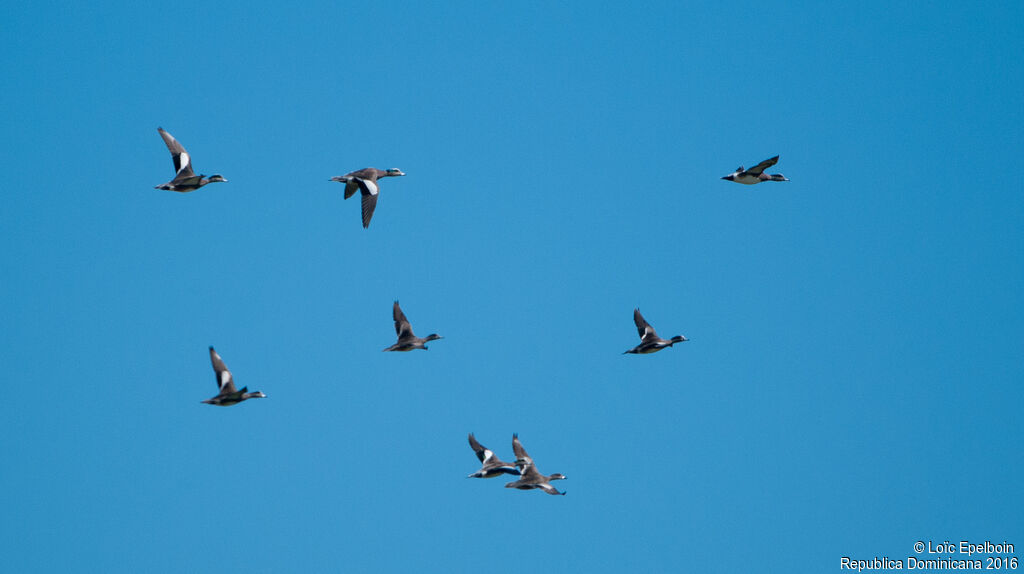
x=756 y=174
x=407 y=341
x=492 y=465
x=650 y=342
x=365 y=180
x=228 y=395
x=184 y=178
x=531 y=477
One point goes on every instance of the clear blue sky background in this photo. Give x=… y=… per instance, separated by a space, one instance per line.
x=853 y=383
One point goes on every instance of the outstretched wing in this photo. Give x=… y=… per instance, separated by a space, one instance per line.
x=402 y=326
x=643 y=327
x=523 y=460
x=483 y=453
x=182 y=162
x=759 y=168
x=369 y=189
x=225 y=382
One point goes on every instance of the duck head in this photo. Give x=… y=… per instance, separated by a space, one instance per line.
x=216 y=178
x=393 y=172
x=557 y=476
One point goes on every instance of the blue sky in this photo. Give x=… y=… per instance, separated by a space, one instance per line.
x=853 y=380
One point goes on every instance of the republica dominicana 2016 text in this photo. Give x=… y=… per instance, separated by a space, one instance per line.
x=914 y=563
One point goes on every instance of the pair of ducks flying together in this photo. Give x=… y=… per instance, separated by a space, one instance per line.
x=365 y=180
x=524 y=467
x=185 y=180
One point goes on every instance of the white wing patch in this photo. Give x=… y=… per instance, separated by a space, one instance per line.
x=371 y=186
x=225 y=377
x=488 y=455
x=183 y=160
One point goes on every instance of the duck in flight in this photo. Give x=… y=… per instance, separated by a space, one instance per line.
x=228 y=395
x=408 y=341
x=492 y=465
x=756 y=174
x=184 y=178
x=531 y=477
x=650 y=342
x=365 y=180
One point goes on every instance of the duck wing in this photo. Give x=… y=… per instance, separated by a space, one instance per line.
x=643 y=327
x=182 y=161
x=759 y=168
x=523 y=460
x=402 y=326
x=369 y=190
x=546 y=487
x=351 y=187
x=225 y=382
x=483 y=453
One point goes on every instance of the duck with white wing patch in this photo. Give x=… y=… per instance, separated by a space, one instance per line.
x=228 y=395
x=755 y=174
x=365 y=181
x=185 y=179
